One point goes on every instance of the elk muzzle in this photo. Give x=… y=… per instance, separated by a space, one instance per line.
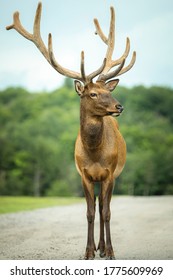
x=119 y=107
x=116 y=110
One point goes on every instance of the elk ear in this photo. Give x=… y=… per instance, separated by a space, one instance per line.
x=79 y=87
x=111 y=85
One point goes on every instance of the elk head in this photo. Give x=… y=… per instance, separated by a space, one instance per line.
x=97 y=93
x=97 y=98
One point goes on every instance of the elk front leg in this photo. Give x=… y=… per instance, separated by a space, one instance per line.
x=90 y=199
x=107 y=188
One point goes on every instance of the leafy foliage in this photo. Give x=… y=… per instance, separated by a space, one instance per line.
x=38 y=132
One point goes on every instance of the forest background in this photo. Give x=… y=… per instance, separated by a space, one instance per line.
x=38 y=132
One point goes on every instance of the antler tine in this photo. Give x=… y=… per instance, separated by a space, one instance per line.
x=36 y=28
x=125 y=54
x=35 y=37
x=110 y=41
x=128 y=67
x=112 y=74
x=37 y=40
x=98 y=71
x=111 y=38
x=100 y=32
x=18 y=27
x=90 y=77
x=75 y=75
x=82 y=68
x=62 y=70
x=120 y=70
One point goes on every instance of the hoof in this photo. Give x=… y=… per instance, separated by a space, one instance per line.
x=110 y=254
x=102 y=254
x=89 y=255
x=110 y=258
x=89 y=258
x=101 y=248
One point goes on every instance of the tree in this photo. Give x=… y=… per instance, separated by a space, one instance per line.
x=38 y=132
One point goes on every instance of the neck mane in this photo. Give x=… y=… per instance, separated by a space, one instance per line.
x=91 y=129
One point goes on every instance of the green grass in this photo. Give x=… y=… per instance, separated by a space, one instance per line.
x=9 y=204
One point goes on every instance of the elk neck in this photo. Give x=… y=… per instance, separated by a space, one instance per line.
x=91 y=129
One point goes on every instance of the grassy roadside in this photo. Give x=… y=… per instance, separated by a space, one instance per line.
x=9 y=204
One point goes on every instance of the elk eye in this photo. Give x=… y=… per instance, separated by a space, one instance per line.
x=93 y=95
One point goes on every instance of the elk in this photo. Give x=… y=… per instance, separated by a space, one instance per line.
x=100 y=150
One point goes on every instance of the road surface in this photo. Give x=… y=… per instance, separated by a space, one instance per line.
x=142 y=228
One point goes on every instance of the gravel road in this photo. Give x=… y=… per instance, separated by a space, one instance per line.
x=142 y=228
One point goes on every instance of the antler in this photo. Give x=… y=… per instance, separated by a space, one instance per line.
x=110 y=42
x=48 y=52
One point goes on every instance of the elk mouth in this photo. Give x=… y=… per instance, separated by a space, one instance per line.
x=113 y=114
x=117 y=112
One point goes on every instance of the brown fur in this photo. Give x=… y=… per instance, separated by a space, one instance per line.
x=100 y=154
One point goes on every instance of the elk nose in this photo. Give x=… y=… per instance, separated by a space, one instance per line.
x=119 y=107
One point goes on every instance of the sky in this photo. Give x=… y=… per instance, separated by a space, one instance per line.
x=148 y=24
